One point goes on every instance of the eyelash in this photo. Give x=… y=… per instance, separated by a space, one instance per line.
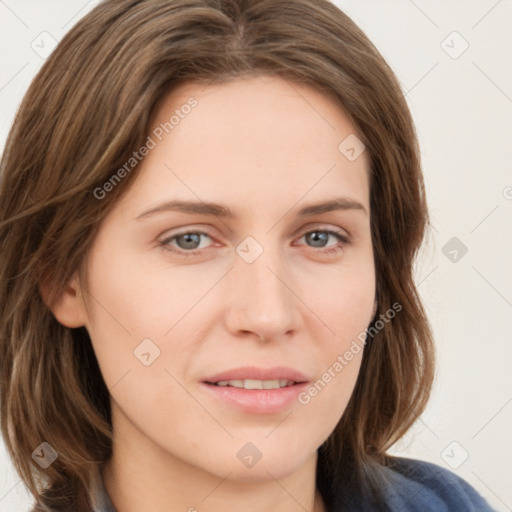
x=342 y=240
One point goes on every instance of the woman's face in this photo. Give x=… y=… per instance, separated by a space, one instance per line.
x=181 y=297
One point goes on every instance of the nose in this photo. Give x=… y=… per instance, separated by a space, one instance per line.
x=262 y=300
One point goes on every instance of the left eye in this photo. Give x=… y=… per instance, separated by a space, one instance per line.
x=190 y=239
x=188 y=242
x=321 y=235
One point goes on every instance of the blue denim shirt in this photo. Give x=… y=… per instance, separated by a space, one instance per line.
x=413 y=486
x=419 y=486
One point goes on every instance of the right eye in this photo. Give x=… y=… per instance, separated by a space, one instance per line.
x=187 y=240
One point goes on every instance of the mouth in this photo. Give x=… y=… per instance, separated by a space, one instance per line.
x=256 y=390
x=254 y=384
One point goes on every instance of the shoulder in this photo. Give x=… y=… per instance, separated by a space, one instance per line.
x=413 y=484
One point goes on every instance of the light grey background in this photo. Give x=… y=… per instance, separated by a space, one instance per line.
x=461 y=100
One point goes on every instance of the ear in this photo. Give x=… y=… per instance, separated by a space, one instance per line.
x=69 y=308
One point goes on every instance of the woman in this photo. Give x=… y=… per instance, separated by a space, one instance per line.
x=209 y=215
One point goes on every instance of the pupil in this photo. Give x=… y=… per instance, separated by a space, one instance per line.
x=190 y=238
x=315 y=236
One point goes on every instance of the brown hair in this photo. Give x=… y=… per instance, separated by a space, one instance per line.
x=86 y=111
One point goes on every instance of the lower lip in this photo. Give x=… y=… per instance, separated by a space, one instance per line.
x=259 y=401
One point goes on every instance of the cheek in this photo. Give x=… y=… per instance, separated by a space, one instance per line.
x=134 y=297
x=345 y=307
x=140 y=313
x=345 y=301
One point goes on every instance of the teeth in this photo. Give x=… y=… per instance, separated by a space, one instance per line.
x=253 y=384
x=256 y=384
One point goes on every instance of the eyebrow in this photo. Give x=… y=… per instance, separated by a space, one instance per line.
x=218 y=210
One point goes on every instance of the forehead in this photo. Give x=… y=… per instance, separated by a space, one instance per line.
x=249 y=142
x=270 y=105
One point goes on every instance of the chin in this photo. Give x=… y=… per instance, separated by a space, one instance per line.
x=262 y=472
x=276 y=462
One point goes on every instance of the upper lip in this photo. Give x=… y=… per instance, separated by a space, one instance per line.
x=252 y=372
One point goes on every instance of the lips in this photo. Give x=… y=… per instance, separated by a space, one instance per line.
x=256 y=390
x=259 y=374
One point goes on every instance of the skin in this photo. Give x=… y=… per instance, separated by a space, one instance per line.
x=265 y=149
